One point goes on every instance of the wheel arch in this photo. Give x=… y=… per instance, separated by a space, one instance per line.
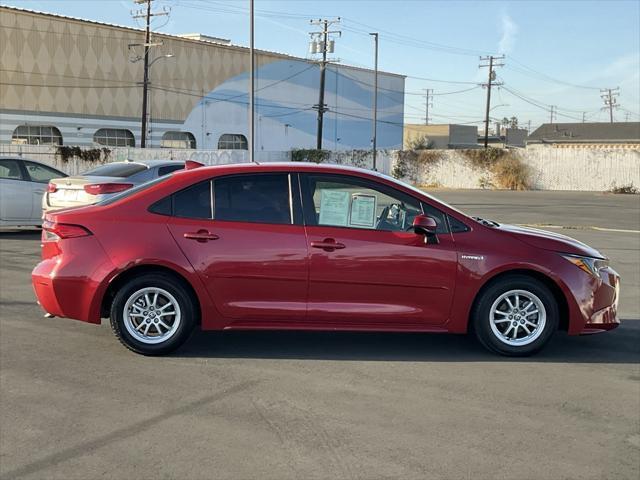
x=550 y=283
x=122 y=277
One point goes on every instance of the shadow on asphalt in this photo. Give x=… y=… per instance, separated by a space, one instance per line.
x=32 y=234
x=619 y=346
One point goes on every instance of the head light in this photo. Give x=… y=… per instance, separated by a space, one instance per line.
x=588 y=264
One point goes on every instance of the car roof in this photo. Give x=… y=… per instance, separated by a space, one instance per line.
x=284 y=166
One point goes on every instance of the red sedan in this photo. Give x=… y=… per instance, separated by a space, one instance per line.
x=311 y=247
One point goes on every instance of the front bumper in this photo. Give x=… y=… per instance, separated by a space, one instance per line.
x=605 y=304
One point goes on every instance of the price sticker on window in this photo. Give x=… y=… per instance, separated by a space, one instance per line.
x=363 y=211
x=334 y=208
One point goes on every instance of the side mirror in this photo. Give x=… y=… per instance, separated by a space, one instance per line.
x=427 y=226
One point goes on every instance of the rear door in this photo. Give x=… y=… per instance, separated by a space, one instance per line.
x=39 y=177
x=15 y=195
x=366 y=265
x=244 y=235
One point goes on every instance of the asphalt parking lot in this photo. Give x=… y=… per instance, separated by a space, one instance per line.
x=74 y=404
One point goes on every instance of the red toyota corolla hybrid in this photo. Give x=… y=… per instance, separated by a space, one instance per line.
x=311 y=247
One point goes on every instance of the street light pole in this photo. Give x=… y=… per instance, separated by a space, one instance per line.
x=375 y=103
x=145 y=85
x=252 y=127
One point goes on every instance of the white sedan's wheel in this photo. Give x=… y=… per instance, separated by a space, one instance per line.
x=152 y=315
x=517 y=317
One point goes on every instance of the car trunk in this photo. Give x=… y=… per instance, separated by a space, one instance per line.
x=70 y=190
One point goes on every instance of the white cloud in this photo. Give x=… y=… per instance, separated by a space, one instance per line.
x=509 y=31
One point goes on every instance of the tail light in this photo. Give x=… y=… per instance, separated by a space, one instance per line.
x=52 y=231
x=102 y=188
x=52 y=187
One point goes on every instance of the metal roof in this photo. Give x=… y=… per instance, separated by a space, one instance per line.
x=618 y=132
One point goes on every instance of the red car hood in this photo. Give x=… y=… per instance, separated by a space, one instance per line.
x=550 y=241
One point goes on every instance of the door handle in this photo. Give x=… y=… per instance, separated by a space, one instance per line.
x=328 y=244
x=201 y=236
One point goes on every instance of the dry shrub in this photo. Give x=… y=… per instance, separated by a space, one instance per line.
x=625 y=189
x=484 y=158
x=429 y=157
x=509 y=172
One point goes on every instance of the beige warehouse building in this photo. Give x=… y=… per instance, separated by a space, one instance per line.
x=71 y=81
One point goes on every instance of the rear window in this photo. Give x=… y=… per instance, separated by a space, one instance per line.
x=124 y=169
x=134 y=190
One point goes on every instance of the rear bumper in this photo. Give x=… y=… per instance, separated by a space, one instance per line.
x=71 y=285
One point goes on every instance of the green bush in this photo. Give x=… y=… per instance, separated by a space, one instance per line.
x=309 y=155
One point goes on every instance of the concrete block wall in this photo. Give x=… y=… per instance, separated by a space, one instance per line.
x=551 y=168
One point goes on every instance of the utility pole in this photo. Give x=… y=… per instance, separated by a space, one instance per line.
x=492 y=77
x=428 y=103
x=584 y=116
x=529 y=127
x=147 y=45
x=609 y=96
x=252 y=85
x=375 y=103
x=323 y=46
x=552 y=113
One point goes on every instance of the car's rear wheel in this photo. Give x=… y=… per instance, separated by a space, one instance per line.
x=153 y=314
x=515 y=316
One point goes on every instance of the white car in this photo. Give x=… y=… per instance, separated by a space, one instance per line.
x=103 y=182
x=22 y=186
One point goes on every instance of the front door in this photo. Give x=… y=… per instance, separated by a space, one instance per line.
x=39 y=176
x=242 y=236
x=367 y=266
x=16 y=198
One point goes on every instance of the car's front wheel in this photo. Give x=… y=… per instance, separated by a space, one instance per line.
x=515 y=316
x=153 y=314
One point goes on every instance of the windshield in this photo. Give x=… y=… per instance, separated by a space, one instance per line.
x=134 y=190
x=119 y=169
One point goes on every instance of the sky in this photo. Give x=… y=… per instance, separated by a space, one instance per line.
x=557 y=53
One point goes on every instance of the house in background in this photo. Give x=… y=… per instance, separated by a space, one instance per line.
x=586 y=135
x=441 y=136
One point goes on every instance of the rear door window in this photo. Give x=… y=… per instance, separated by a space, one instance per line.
x=260 y=198
x=193 y=202
x=41 y=173
x=118 y=169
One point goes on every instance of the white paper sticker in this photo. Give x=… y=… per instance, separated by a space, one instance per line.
x=334 y=208
x=363 y=211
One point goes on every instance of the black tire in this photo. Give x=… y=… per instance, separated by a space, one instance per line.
x=494 y=340
x=186 y=307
